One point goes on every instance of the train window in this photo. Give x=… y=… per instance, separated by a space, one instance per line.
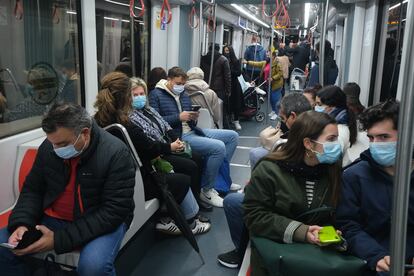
x=116 y=38
x=39 y=60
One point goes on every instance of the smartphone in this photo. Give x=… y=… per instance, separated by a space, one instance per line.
x=7 y=245
x=328 y=235
x=195 y=107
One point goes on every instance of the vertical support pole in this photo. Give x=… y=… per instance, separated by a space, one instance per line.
x=269 y=87
x=200 y=29
x=404 y=151
x=322 y=44
x=213 y=44
x=132 y=30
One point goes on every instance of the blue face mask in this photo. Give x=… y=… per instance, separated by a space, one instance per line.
x=383 y=152
x=320 y=108
x=139 y=102
x=178 y=89
x=69 y=151
x=332 y=151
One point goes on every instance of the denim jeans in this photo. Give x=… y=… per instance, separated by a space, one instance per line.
x=256 y=154
x=189 y=205
x=96 y=257
x=234 y=213
x=215 y=146
x=275 y=97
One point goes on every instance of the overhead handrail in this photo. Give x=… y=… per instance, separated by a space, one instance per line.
x=55 y=14
x=211 y=22
x=274 y=13
x=18 y=10
x=165 y=3
x=132 y=8
x=193 y=18
x=283 y=13
x=13 y=79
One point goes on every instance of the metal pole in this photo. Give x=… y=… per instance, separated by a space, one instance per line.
x=269 y=87
x=404 y=151
x=134 y=69
x=322 y=44
x=200 y=30
x=213 y=46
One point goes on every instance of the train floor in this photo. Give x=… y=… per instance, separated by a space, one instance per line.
x=174 y=256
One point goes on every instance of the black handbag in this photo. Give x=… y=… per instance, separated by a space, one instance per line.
x=49 y=267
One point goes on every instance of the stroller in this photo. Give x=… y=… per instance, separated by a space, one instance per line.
x=252 y=100
x=297 y=80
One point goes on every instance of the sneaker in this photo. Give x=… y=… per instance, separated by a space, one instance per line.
x=261 y=100
x=230 y=259
x=200 y=227
x=167 y=226
x=271 y=114
x=235 y=187
x=273 y=117
x=212 y=197
x=237 y=125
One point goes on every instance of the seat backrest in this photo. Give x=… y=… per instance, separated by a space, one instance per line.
x=120 y=131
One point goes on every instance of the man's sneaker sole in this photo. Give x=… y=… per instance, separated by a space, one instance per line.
x=227 y=264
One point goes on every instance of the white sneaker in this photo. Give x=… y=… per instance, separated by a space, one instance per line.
x=211 y=197
x=167 y=225
x=273 y=117
x=200 y=227
x=237 y=125
x=271 y=114
x=235 y=187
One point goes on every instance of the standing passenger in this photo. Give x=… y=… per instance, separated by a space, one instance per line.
x=364 y=210
x=255 y=52
x=74 y=194
x=330 y=67
x=236 y=98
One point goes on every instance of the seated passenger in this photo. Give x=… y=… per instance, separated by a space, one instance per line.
x=364 y=209
x=310 y=94
x=156 y=74
x=154 y=137
x=195 y=84
x=302 y=174
x=332 y=100
x=74 y=194
x=172 y=102
x=291 y=106
x=115 y=105
x=352 y=92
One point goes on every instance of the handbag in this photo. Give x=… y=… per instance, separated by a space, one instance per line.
x=49 y=267
x=269 y=136
x=162 y=165
x=187 y=152
x=223 y=179
x=302 y=259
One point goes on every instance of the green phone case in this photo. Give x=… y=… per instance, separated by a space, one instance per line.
x=328 y=235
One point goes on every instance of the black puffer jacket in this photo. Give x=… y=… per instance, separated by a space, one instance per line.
x=221 y=76
x=104 y=188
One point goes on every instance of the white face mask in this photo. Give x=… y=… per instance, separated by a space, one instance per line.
x=178 y=89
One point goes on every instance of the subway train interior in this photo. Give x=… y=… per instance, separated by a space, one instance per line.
x=59 y=50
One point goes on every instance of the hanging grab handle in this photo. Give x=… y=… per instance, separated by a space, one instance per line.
x=132 y=8
x=56 y=14
x=193 y=18
x=211 y=23
x=18 y=10
x=165 y=3
x=274 y=13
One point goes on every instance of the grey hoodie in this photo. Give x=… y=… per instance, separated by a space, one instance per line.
x=208 y=100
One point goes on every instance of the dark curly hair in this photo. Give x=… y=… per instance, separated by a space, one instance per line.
x=380 y=112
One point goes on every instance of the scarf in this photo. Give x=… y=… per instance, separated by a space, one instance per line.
x=154 y=131
x=340 y=115
x=303 y=170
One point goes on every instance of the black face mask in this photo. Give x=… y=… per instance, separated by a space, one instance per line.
x=226 y=55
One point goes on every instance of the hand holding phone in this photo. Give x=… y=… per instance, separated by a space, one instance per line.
x=7 y=245
x=195 y=107
x=328 y=235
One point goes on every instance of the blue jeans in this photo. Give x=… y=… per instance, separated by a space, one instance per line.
x=96 y=257
x=214 y=147
x=275 y=97
x=234 y=213
x=189 y=205
x=256 y=154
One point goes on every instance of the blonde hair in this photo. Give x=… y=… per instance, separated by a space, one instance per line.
x=114 y=100
x=138 y=82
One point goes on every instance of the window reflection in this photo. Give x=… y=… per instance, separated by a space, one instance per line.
x=115 y=42
x=39 y=61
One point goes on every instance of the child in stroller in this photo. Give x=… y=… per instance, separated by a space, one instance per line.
x=253 y=99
